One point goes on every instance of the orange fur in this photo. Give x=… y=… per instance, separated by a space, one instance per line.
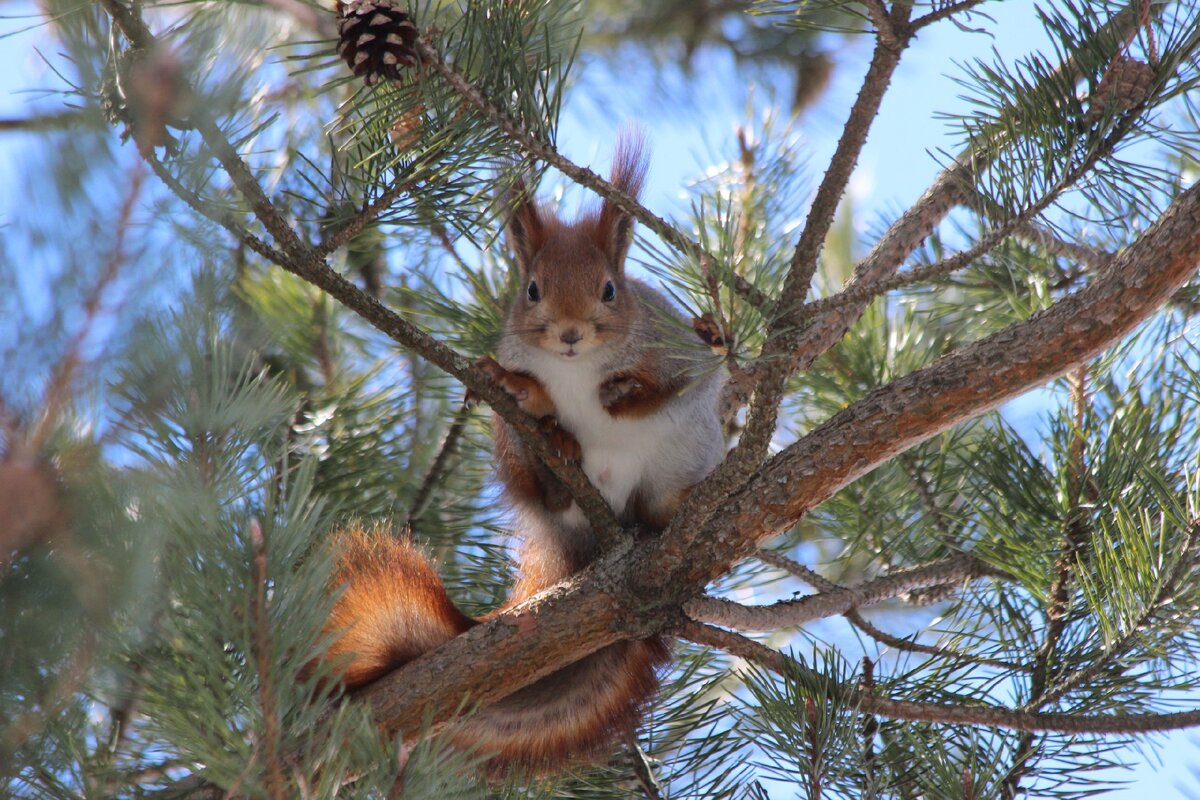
x=393 y=608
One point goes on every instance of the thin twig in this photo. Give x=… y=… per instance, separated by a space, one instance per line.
x=982 y=714
x=260 y=619
x=350 y=228
x=870 y=727
x=1183 y=567
x=59 y=387
x=929 y=501
x=43 y=122
x=437 y=469
x=1092 y=258
x=936 y=651
x=945 y=11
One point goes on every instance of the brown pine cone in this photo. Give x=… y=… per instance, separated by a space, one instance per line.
x=376 y=39
x=1125 y=85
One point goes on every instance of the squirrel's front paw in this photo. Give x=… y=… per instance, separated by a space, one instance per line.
x=561 y=440
x=614 y=390
x=525 y=389
x=515 y=384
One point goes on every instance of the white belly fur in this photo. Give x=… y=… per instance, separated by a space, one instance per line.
x=618 y=453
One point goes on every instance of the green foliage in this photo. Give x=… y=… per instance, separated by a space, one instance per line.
x=218 y=429
x=1041 y=134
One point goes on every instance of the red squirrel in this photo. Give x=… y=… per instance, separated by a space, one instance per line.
x=601 y=358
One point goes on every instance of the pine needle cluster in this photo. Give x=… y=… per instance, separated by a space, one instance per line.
x=270 y=332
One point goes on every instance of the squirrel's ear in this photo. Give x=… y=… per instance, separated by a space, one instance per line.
x=614 y=227
x=526 y=230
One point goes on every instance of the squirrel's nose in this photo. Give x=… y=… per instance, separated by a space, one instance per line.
x=570 y=336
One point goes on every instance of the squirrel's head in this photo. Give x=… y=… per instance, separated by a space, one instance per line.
x=573 y=297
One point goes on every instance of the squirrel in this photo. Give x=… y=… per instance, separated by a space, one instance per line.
x=598 y=356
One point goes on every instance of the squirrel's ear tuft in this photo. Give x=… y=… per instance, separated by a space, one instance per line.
x=526 y=229
x=614 y=227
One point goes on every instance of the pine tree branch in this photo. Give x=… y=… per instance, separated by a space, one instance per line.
x=884 y=60
x=1040 y=235
x=858 y=293
x=212 y=213
x=350 y=228
x=62 y=120
x=806 y=574
x=957 y=387
x=817 y=581
x=935 y=651
x=1020 y=226
x=1086 y=256
x=437 y=469
x=300 y=259
x=948 y=10
x=929 y=501
x=788 y=312
x=1183 y=568
x=585 y=177
x=262 y=660
x=837 y=600
x=981 y=714
x=636 y=589
x=954 y=186
x=1075 y=534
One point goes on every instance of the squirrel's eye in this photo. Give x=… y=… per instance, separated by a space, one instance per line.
x=533 y=293
x=610 y=292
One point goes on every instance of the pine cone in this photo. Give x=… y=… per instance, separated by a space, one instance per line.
x=1125 y=84
x=376 y=39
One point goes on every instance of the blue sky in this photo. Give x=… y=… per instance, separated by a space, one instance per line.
x=895 y=168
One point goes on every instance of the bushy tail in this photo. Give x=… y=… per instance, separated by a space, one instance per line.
x=393 y=608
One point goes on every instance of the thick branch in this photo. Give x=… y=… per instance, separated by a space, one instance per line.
x=634 y=592
x=957 y=387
